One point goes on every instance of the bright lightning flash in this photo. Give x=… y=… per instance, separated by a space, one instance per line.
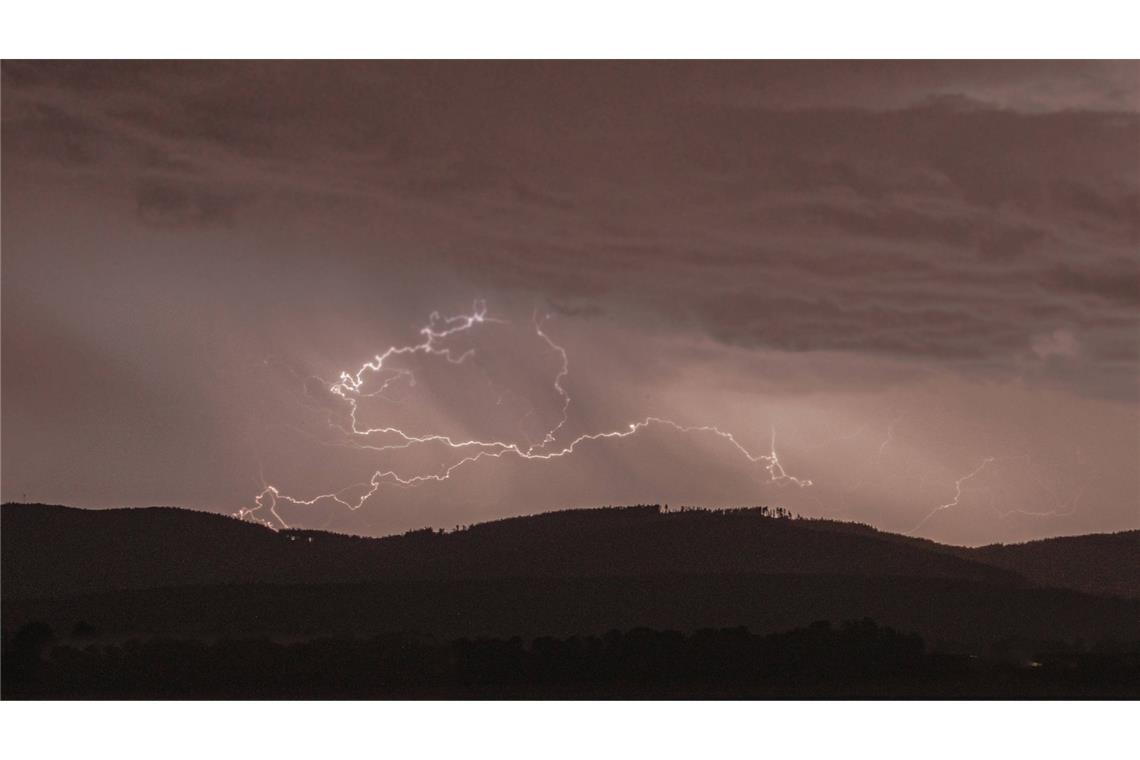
x=352 y=386
x=957 y=494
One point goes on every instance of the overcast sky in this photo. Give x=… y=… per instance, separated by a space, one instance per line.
x=922 y=278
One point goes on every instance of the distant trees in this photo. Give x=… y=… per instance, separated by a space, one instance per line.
x=399 y=663
x=764 y=511
x=856 y=658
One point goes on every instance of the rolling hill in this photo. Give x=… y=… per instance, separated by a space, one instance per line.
x=161 y=570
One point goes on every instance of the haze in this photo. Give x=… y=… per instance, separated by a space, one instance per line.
x=920 y=277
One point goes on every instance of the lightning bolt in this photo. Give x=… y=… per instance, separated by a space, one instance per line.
x=957 y=494
x=1061 y=507
x=887 y=441
x=350 y=387
x=873 y=464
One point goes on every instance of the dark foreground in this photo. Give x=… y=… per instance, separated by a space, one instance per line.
x=168 y=603
x=854 y=660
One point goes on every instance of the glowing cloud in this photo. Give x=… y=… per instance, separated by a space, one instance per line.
x=353 y=386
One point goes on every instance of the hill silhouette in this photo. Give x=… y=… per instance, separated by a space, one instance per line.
x=117 y=579
x=181 y=571
x=1100 y=564
x=50 y=551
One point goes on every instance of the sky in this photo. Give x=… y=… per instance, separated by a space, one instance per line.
x=901 y=293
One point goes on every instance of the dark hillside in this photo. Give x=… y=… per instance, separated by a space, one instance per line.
x=1102 y=563
x=171 y=572
x=1106 y=563
x=952 y=614
x=53 y=551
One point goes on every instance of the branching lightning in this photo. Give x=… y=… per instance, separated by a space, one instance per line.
x=376 y=377
x=1061 y=507
x=957 y=494
x=353 y=386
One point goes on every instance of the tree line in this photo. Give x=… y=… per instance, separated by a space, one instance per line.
x=858 y=658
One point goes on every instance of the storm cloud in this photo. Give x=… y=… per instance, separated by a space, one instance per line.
x=897 y=223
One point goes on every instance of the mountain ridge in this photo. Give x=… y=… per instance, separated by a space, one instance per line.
x=181 y=573
x=150 y=547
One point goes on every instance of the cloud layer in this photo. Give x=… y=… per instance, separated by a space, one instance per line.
x=849 y=226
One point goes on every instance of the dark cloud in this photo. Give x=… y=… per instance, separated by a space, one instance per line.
x=1119 y=283
x=52 y=133
x=171 y=205
x=864 y=189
